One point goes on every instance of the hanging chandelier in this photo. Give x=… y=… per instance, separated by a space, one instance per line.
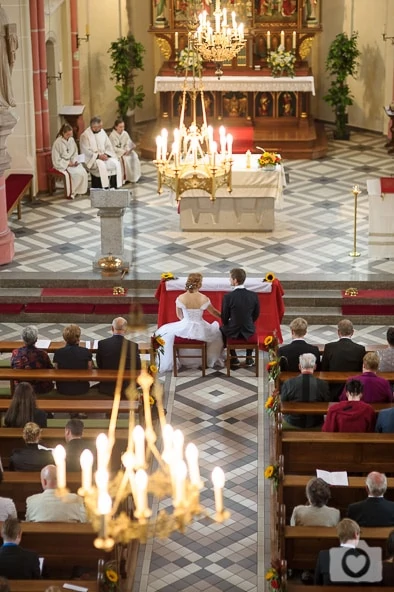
x=221 y=43
x=175 y=473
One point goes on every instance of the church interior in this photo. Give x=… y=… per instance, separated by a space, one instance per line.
x=60 y=73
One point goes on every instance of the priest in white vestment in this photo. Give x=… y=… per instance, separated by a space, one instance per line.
x=100 y=158
x=124 y=150
x=65 y=160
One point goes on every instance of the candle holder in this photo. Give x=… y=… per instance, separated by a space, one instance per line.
x=356 y=192
x=79 y=39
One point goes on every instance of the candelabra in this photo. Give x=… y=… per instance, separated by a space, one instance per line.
x=86 y=38
x=55 y=77
x=222 y=43
x=387 y=38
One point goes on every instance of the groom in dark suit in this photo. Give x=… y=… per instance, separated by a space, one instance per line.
x=240 y=310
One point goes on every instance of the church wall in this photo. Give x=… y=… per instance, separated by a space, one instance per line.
x=374 y=83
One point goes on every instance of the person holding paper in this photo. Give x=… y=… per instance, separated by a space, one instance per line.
x=29 y=356
x=125 y=150
x=352 y=415
x=65 y=159
x=316 y=513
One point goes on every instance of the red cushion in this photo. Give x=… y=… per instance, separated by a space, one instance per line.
x=54 y=171
x=14 y=185
x=188 y=341
x=252 y=339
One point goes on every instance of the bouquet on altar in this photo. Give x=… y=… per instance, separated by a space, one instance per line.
x=189 y=59
x=281 y=62
x=269 y=159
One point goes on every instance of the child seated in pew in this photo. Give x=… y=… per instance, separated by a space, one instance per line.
x=316 y=512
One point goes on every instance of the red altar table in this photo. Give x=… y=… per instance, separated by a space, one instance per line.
x=271 y=307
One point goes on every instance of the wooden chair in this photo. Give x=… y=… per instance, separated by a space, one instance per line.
x=240 y=343
x=181 y=344
x=52 y=175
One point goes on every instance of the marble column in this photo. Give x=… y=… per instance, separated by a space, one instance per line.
x=7 y=124
x=111 y=204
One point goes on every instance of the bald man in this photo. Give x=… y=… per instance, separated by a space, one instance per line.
x=109 y=352
x=48 y=507
x=375 y=510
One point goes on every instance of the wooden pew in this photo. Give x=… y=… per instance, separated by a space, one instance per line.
x=11 y=438
x=9 y=346
x=320 y=407
x=333 y=376
x=41 y=585
x=63 y=405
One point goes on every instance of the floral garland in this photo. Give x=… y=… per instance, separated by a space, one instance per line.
x=273 y=366
x=272 y=404
x=272 y=473
x=189 y=59
x=274 y=578
x=281 y=62
x=269 y=159
x=110 y=577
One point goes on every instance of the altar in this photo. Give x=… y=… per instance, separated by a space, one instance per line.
x=250 y=207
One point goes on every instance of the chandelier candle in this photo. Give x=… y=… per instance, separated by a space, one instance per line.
x=86 y=461
x=218 y=484
x=59 y=455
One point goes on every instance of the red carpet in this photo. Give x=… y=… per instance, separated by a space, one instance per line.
x=387 y=184
x=358 y=305
x=242 y=138
x=368 y=309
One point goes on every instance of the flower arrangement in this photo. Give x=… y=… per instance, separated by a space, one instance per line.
x=167 y=275
x=273 y=576
x=273 y=365
x=281 y=62
x=189 y=59
x=272 y=404
x=157 y=343
x=110 y=577
x=269 y=159
x=272 y=473
x=269 y=277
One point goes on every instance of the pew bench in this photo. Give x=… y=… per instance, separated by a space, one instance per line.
x=64 y=405
x=319 y=407
x=40 y=585
x=16 y=187
x=337 y=377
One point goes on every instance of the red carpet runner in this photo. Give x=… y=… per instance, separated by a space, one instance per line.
x=359 y=305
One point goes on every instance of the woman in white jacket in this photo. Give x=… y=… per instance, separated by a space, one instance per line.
x=124 y=149
x=64 y=160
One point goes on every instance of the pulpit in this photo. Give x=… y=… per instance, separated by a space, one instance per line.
x=381 y=218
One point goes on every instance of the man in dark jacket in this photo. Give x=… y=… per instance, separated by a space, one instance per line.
x=375 y=510
x=289 y=354
x=240 y=311
x=16 y=563
x=75 y=444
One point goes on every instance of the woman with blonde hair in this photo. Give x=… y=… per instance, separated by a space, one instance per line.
x=190 y=308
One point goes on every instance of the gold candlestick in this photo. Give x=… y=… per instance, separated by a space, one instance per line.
x=356 y=192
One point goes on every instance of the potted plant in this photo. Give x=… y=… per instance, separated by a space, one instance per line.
x=127 y=57
x=341 y=62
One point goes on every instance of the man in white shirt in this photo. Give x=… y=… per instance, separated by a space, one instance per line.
x=100 y=157
x=48 y=507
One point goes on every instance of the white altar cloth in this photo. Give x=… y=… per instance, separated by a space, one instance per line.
x=239 y=83
x=220 y=284
x=381 y=222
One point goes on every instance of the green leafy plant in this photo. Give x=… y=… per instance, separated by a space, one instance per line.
x=341 y=62
x=127 y=57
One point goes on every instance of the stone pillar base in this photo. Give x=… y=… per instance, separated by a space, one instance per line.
x=7 y=250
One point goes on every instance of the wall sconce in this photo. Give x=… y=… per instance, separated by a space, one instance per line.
x=385 y=38
x=58 y=77
x=86 y=38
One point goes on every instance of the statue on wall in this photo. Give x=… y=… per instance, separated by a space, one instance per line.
x=311 y=7
x=235 y=105
x=8 y=47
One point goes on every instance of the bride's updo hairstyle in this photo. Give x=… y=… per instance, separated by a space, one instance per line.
x=193 y=282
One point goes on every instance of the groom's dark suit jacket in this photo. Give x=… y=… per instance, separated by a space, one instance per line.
x=240 y=310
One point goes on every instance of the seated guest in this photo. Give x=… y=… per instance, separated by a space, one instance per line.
x=385 y=421
x=101 y=160
x=48 y=507
x=72 y=357
x=342 y=356
x=290 y=353
x=23 y=408
x=124 y=150
x=17 y=563
x=352 y=415
x=64 y=160
x=302 y=388
x=29 y=356
x=388 y=564
x=348 y=533
x=386 y=356
x=7 y=509
x=75 y=444
x=31 y=457
x=109 y=351
x=375 y=510
x=375 y=388
x=316 y=513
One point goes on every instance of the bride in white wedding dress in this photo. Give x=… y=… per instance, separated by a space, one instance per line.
x=190 y=308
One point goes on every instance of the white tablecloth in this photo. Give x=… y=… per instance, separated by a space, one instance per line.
x=219 y=284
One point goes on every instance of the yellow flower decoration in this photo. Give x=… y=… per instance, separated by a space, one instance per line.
x=272 y=363
x=160 y=341
x=167 y=275
x=269 y=471
x=111 y=575
x=269 y=574
x=269 y=277
x=153 y=368
x=269 y=402
x=269 y=339
x=151 y=400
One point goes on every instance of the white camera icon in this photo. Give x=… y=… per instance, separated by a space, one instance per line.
x=362 y=564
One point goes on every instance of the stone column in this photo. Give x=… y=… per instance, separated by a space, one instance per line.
x=111 y=204
x=7 y=124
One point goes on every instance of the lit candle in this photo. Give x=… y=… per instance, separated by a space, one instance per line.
x=191 y=454
x=248 y=159
x=101 y=477
x=233 y=21
x=224 y=17
x=229 y=145
x=218 y=484
x=164 y=137
x=210 y=137
x=158 y=147
x=241 y=31
x=102 y=451
x=176 y=40
x=86 y=461
x=180 y=473
x=139 y=443
x=217 y=23
x=87 y=29
x=178 y=441
x=141 y=493
x=59 y=455
x=282 y=38
x=294 y=39
x=268 y=39
x=104 y=503
x=214 y=152
x=60 y=68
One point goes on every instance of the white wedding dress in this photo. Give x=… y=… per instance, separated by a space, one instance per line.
x=192 y=326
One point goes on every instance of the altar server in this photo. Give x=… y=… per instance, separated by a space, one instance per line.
x=100 y=158
x=124 y=150
x=65 y=160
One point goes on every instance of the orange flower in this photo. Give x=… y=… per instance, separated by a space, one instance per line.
x=268 y=340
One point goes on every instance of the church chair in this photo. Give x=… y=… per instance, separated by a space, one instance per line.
x=181 y=344
x=240 y=343
x=52 y=175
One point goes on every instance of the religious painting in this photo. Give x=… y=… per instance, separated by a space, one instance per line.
x=186 y=11
x=287 y=104
x=264 y=104
x=269 y=11
x=235 y=104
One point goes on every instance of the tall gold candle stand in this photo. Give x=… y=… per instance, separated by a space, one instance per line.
x=356 y=192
